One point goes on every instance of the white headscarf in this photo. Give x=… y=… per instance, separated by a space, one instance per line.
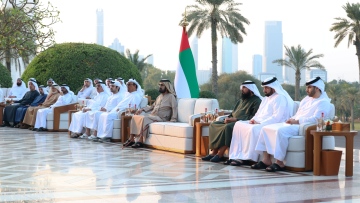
x=122 y=82
x=67 y=87
x=44 y=89
x=319 y=83
x=91 y=82
x=22 y=87
x=33 y=81
x=118 y=84
x=251 y=86
x=274 y=83
x=138 y=90
x=105 y=88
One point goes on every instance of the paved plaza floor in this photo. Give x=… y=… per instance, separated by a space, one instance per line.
x=51 y=167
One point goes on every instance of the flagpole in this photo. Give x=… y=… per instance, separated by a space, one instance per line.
x=184 y=22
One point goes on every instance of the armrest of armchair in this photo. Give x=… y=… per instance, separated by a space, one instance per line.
x=221 y=118
x=61 y=109
x=194 y=118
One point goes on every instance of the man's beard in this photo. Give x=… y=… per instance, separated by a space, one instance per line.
x=18 y=84
x=162 y=90
x=245 y=95
x=270 y=93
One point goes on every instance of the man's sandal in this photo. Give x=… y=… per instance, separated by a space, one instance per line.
x=259 y=165
x=137 y=145
x=274 y=167
x=228 y=162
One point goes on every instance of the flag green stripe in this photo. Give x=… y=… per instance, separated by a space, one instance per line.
x=188 y=65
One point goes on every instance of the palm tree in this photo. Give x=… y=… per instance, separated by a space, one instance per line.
x=297 y=58
x=352 y=93
x=221 y=16
x=349 y=27
x=334 y=91
x=135 y=59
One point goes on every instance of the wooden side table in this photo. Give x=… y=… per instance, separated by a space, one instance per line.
x=125 y=123
x=70 y=112
x=1 y=114
x=201 y=145
x=349 y=147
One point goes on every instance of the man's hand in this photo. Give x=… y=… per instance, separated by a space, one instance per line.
x=138 y=112
x=88 y=97
x=292 y=121
x=12 y=96
x=252 y=121
x=103 y=109
x=229 y=120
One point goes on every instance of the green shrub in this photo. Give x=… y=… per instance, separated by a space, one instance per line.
x=154 y=93
x=71 y=63
x=5 y=77
x=206 y=94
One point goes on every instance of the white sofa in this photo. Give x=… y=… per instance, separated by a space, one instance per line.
x=179 y=136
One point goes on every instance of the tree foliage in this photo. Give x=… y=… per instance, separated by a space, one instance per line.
x=349 y=27
x=5 y=77
x=25 y=28
x=229 y=88
x=136 y=60
x=221 y=16
x=71 y=63
x=153 y=75
x=298 y=59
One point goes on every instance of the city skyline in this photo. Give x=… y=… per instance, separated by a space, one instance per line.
x=158 y=32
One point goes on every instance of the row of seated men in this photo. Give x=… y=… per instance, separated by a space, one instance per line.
x=264 y=124
x=96 y=119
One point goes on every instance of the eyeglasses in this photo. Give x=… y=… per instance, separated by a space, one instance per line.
x=160 y=85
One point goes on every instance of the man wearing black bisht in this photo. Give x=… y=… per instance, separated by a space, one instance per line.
x=10 y=111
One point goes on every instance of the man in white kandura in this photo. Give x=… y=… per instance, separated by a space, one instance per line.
x=132 y=97
x=274 y=139
x=17 y=91
x=277 y=106
x=92 y=117
x=78 y=118
x=64 y=99
x=86 y=89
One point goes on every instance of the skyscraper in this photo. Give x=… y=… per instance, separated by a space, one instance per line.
x=229 y=57
x=100 y=27
x=273 y=48
x=314 y=72
x=194 y=49
x=256 y=65
x=116 y=45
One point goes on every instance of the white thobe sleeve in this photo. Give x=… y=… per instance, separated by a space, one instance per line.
x=279 y=108
x=322 y=107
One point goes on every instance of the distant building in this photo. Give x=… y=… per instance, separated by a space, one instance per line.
x=116 y=45
x=273 y=48
x=256 y=65
x=263 y=76
x=289 y=76
x=195 y=51
x=203 y=76
x=100 y=27
x=229 y=57
x=312 y=73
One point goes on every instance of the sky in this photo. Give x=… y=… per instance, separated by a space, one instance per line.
x=153 y=28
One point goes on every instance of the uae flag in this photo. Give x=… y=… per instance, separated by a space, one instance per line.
x=186 y=85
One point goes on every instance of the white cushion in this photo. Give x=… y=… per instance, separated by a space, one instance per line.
x=157 y=128
x=185 y=109
x=295 y=159
x=296 y=143
x=117 y=124
x=182 y=130
x=201 y=104
x=63 y=116
x=170 y=142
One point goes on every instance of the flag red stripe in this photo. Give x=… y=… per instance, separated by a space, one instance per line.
x=184 y=41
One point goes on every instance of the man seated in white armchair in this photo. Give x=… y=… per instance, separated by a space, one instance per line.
x=132 y=98
x=86 y=90
x=17 y=91
x=64 y=99
x=164 y=109
x=274 y=139
x=78 y=118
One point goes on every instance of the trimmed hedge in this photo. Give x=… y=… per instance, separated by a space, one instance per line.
x=154 y=93
x=207 y=94
x=71 y=63
x=5 y=77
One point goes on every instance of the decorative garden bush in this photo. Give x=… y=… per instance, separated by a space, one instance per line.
x=5 y=77
x=71 y=63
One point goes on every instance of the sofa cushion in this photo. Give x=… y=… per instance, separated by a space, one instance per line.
x=201 y=104
x=296 y=143
x=182 y=130
x=185 y=109
x=63 y=116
